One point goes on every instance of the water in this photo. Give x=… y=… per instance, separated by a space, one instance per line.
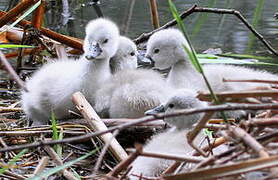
x=230 y=36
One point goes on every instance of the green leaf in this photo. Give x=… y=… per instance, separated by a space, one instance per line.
x=192 y=54
x=15 y=46
x=245 y=56
x=29 y=11
x=13 y=161
x=208 y=133
x=55 y=136
x=59 y=168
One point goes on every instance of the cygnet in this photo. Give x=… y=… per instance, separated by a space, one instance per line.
x=129 y=93
x=125 y=57
x=173 y=141
x=51 y=87
x=165 y=49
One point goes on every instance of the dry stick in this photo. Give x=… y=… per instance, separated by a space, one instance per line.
x=103 y=151
x=19 y=8
x=124 y=164
x=251 y=80
x=37 y=16
x=96 y=124
x=216 y=143
x=16 y=176
x=191 y=135
x=58 y=161
x=154 y=13
x=127 y=18
x=15 y=53
x=235 y=94
x=7 y=109
x=262 y=122
x=69 y=41
x=171 y=157
x=3 y=143
x=232 y=107
x=171 y=168
x=236 y=148
x=42 y=164
x=145 y=36
x=252 y=143
x=12 y=72
x=227 y=170
x=242 y=19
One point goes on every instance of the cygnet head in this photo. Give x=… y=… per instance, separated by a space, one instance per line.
x=102 y=39
x=125 y=57
x=165 y=49
x=182 y=99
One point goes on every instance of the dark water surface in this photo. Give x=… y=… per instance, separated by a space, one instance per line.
x=230 y=35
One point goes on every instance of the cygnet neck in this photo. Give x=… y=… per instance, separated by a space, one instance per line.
x=182 y=74
x=96 y=71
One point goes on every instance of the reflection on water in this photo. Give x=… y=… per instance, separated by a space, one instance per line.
x=230 y=35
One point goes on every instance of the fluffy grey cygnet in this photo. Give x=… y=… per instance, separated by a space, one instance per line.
x=129 y=93
x=181 y=99
x=125 y=57
x=51 y=87
x=173 y=141
x=165 y=49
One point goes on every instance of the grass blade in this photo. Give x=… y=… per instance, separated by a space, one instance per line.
x=29 y=11
x=192 y=54
x=55 y=135
x=15 y=46
x=13 y=161
x=256 y=18
x=59 y=168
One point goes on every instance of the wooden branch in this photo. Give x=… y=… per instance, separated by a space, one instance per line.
x=41 y=166
x=233 y=169
x=18 y=9
x=171 y=157
x=145 y=36
x=59 y=162
x=37 y=16
x=147 y=119
x=251 y=80
x=67 y=40
x=235 y=94
x=103 y=152
x=191 y=135
x=96 y=124
x=12 y=72
x=124 y=164
x=154 y=13
x=238 y=132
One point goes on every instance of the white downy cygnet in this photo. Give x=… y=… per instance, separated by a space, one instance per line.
x=51 y=87
x=165 y=49
x=125 y=57
x=173 y=141
x=130 y=91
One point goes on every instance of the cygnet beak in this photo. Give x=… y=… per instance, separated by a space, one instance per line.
x=156 y=110
x=94 y=51
x=145 y=60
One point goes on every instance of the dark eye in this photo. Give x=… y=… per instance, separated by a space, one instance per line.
x=105 y=41
x=156 y=51
x=171 y=105
x=132 y=53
